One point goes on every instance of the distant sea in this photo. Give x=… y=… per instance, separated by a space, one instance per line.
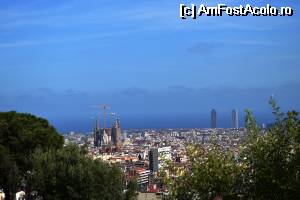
x=82 y=124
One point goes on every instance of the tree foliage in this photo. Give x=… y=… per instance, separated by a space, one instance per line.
x=32 y=156
x=132 y=190
x=70 y=174
x=20 y=135
x=273 y=158
x=9 y=174
x=212 y=173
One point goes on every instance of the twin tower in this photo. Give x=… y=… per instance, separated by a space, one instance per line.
x=234 y=119
x=104 y=137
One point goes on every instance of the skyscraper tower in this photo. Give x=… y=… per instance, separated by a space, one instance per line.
x=153 y=160
x=234 y=119
x=97 y=135
x=213 y=118
x=116 y=134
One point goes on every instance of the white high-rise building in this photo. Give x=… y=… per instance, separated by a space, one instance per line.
x=164 y=154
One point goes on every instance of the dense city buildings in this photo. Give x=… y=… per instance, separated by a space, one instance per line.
x=213 y=118
x=149 y=154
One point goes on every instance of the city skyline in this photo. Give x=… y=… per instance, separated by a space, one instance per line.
x=188 y=121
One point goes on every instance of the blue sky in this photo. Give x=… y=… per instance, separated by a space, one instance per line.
x=59 y=58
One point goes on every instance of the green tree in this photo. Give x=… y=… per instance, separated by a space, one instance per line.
x=212 y=173
x=132 y=190
x=9 y=177
x=272 y=157
x=20 y=135
x=69 y=174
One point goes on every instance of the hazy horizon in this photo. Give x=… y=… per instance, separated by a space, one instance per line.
x=165 y=121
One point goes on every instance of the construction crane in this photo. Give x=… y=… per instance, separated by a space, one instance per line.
x=112 y=114
x=104 y=108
